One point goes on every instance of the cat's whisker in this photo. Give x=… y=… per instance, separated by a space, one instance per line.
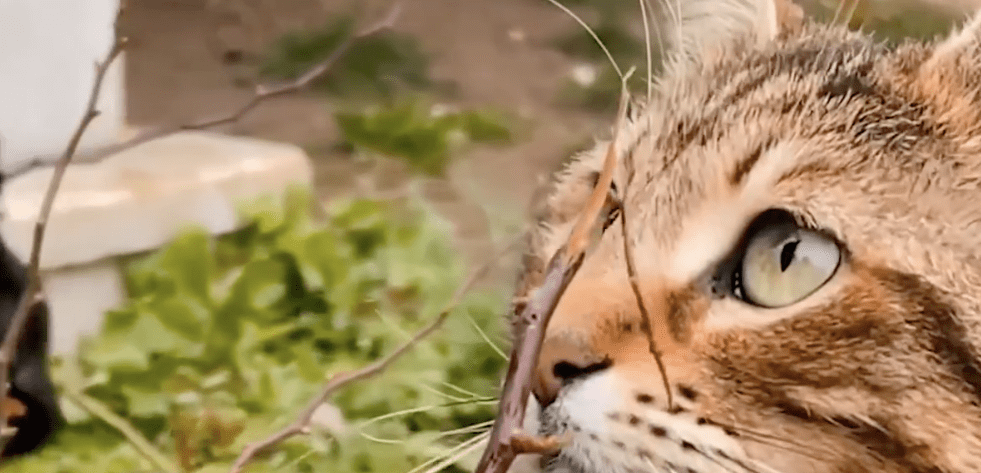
x=744 y=468
x=791 y=257
x=775 y=441
x=652 y=16
x=647 y=49
x=673 y=11
x=591 y=32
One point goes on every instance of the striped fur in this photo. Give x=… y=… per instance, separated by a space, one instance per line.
x=880 y=369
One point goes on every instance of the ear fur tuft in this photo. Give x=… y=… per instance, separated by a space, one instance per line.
x=958 y=43
x=707 y=24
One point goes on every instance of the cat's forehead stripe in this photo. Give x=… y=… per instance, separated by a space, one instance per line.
x=712 y=231
x=734 y=84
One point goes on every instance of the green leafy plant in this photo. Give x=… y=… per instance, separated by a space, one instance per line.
x=411 y=131
x=222 y=341
x=381 y=65
x=384 y=66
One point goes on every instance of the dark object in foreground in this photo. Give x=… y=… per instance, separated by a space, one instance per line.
x=31 y=405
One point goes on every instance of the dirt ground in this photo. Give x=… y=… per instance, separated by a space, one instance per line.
x=495 y=51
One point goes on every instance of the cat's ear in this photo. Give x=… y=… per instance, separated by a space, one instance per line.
x=948 y=79
x=698 y=27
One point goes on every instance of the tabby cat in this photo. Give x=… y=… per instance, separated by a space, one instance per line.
x=804 y=209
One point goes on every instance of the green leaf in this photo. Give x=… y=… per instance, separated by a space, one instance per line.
x=188 y=259
x=185 y=317
x=222 y=341
x=117 y=352
x=142 y=403
x=413 y=132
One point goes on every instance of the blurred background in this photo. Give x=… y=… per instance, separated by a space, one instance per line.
x=423 y=151
x=534 y=83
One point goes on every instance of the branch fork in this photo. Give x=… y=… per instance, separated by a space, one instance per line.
x=507 y=441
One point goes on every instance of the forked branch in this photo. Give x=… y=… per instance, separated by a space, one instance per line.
x=507 y=440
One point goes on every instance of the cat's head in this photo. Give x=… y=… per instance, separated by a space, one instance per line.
x=803 y=206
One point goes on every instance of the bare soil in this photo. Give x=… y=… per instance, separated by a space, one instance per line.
x=496 y=53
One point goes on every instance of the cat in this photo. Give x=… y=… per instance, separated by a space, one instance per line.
x=803 y=205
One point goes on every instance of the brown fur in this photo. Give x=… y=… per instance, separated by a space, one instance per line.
x=878 y=370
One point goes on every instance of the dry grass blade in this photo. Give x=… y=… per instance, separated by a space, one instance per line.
x=592 y=33
x=32 y=296
x=302 y=422
x=645 y=317
x=529 y=328
x=261 y=94
x=140 y=443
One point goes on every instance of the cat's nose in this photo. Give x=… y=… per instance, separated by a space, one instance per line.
x=560 y=362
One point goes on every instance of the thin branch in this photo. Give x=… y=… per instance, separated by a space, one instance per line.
x=645 y=316
x=529 y=336
x=32 y=295
x=628 y=253
x=507 y=440
x=524 y=443
x=261 y=94
x=302 y=423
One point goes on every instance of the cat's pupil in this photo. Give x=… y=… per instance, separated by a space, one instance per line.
x=787 y=254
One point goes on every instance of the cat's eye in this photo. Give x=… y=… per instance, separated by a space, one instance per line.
x=784 y=263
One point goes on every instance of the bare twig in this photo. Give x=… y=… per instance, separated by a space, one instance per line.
x=32 y=295
x=524 y=443
x=645 y=316
x=628 y=254
x=529 y=335
x=302 y=423
x=261 y=94
x=507 y=440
